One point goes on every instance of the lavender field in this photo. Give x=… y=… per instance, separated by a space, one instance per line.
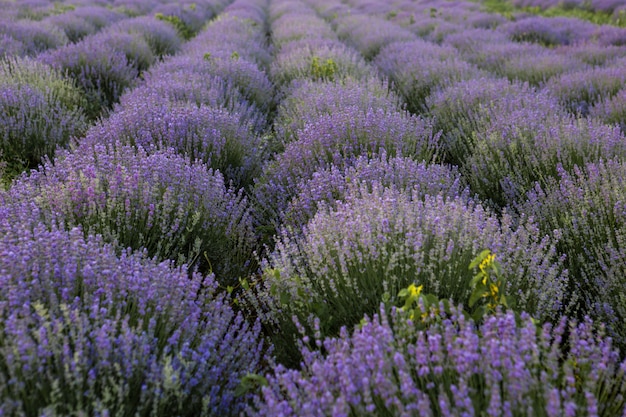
x=312 y=208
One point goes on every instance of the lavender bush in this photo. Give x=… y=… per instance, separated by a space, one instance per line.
x=418 y=68
x=88 y=332
x=318 y=60
x=134 y=46
x=35 y=37
x=182 y=87
x=337 y=139
x=527 y=145
x=504 y=366
x=75 y=27
x=212 y=135
x=39 y=111
x=160 y=36
x=369 y=34
x=328 y=187
x=578 y=91
x=100 y=70
x=378 y=241
x=160 y=202
x=549 y=31
x=612 y=111
x=308 y=100
x=35 y=74
x=587 y=206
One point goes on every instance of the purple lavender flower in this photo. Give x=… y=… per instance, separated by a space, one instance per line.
x=75 y=27
x=318 y=59
x=527 y=145
x=390 y=366
x=380 y=240
x=162 y=37
x=100 y=70
x=10 y=47
x=586 y=205
x=332 y=185
x=133 y=45
x=35 y=37
x=369 y=34
x=578 y=91
x=307 y=100
x=32 y=125
x=175 y=210
x=338 y=139
x=612 y=111
x=251 y=81
x=86 y=331
x=212 y=135
x=550 y=31
x=232 y=35
x=418 y=68
x=611 y=35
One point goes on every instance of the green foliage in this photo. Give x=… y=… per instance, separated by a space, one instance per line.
x=323 y=70
x=487 y=297
x=183 y=29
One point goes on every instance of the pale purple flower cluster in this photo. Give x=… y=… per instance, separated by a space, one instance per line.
x=338 y=139
x=612 y=111
x=526 y=145
x=160 y=202
x=380 y=240
x=213 y=135
x=307 y=100
x=330 y=186
x=549 y=31
x=35 y=37
x=369 y=34
x=503 y=367
x=588 y=206
x=160 y=36
x=102 y=71
x=39 y=111
x=418 y=68
x=580 y=90
x=86 y=331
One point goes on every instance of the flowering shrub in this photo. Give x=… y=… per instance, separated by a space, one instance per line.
x=134 y=46
x=318 y=59
x=587 y=206
x=418 y=68
x=87 y=332
x=337 y=139
x=504 y=366
x=549 y=31
x=212 y=135
x=308 y=100
x=343 y=261
x=161 y=37
x=331 y=185
x=578 y=91
x=100 y=70
x=160 y=202
x=35 y=37
x=612 y=111
x=522 y=147
x=368 y=34
x=39 y=111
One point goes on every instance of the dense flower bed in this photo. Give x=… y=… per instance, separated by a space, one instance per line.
x=312 y=208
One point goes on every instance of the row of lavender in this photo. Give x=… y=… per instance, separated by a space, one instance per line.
x=115 y=253
x=364 y=210
x=360 y=200
x=63 y=77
